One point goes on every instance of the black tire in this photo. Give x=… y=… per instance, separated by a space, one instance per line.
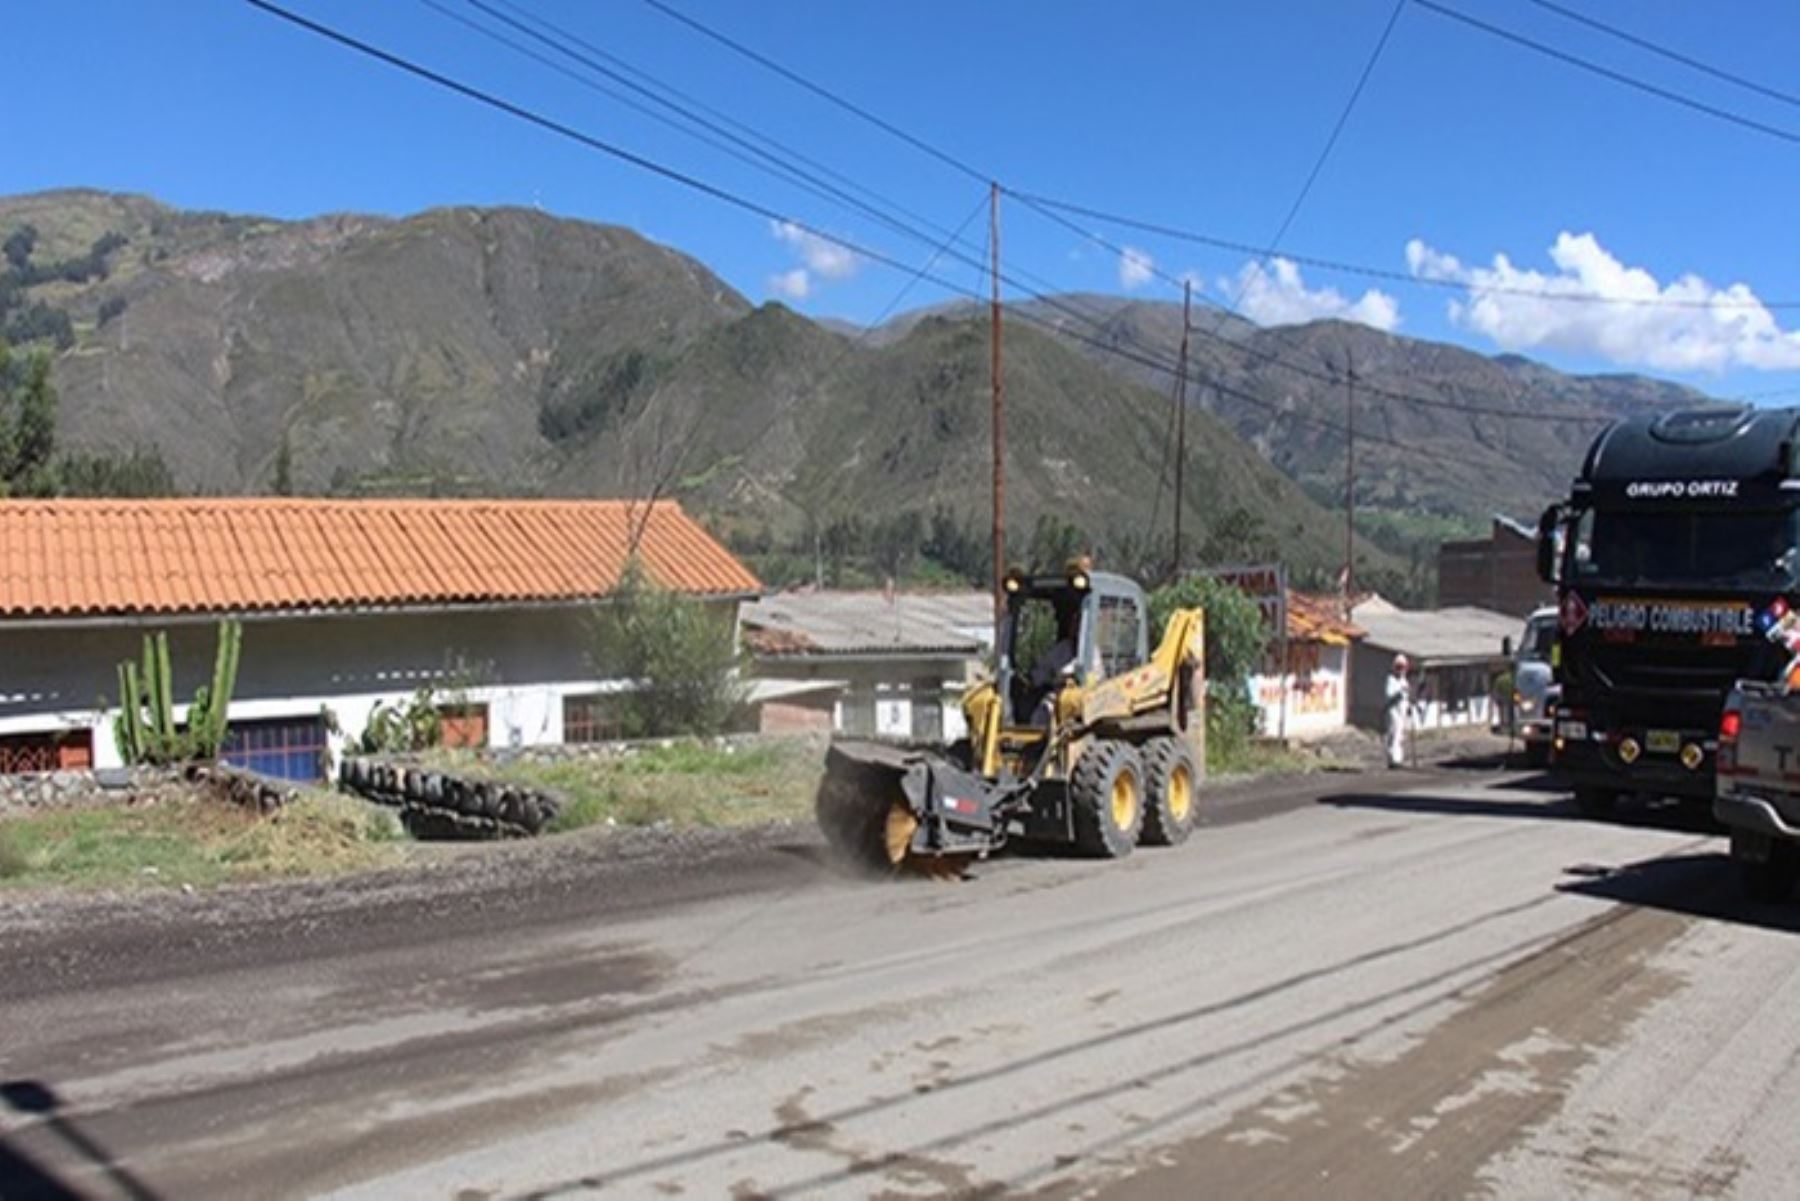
x=1595 y=802
x=1171 y=792
x=1771 y=881
x=1106 y=793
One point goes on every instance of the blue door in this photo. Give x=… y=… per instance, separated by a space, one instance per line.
x=288 y=748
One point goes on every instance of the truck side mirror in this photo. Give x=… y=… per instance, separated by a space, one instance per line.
x=1506 y=647
x=1546 y=543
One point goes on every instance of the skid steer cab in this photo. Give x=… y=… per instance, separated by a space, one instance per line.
x=1083 y=736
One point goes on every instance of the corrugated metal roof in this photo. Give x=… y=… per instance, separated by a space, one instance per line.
x=869 y=623
x=85 y=558
x=1436 y=635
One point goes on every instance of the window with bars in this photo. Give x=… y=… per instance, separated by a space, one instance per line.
x=61 y=750
x=463 y=725
x=287 y=748
x=593 y=717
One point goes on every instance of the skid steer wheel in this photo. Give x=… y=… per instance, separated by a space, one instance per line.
x=1171 y=778
x=1107 y=795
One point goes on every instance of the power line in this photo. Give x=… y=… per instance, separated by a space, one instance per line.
x=1382 y=273
x=1672 y=55
x=617 y=97
x=1472 y=287
x=773 y=164
x=673 y=175
x=1337 y=127
x=1277 y=360
x=768 y=162
x=824 y=93
x=1061 y=306
x=554 y=126
x=1249 y=398
x=1619 y=77
x=563 y=130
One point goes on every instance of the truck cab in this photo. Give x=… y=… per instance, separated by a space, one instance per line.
x=1677 y=540
x=1759 y=787
x=1534 y=689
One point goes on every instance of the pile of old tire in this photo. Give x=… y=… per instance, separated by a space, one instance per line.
x=440 y=804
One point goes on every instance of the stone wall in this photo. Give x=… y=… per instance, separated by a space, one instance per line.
x=37 y=791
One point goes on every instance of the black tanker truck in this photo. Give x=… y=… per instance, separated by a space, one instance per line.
x=1672 y=557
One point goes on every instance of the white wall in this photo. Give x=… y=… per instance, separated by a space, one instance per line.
x=520 y=663
x=1317 y=693
x=882 y=691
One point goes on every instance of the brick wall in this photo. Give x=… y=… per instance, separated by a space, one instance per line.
x=1498 y=572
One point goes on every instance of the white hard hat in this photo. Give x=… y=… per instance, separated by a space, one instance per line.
x=1401 y=662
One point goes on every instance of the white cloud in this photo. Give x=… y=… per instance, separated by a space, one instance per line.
x=1706 y=329
x=792 y=285
x=1135 y=268
x=1277 y=295
x=823 y=257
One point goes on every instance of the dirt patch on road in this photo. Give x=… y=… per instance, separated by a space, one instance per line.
x=1424 y=1123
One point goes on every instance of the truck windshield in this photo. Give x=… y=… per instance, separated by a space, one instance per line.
x=1742 y=548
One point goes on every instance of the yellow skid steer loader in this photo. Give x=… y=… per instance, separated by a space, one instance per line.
x=1082 y=737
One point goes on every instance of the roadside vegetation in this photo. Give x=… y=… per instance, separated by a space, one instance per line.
x=200 y=843
x=680 y=784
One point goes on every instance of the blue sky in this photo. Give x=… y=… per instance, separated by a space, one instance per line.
x=1205 y=116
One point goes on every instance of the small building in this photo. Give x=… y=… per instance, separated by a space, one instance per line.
x=1311 y=697
x=900 y=660
x=1498 y=572
x=1455 y=655
x=345 y=604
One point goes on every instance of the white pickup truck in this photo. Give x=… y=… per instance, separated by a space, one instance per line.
x=1759 y=786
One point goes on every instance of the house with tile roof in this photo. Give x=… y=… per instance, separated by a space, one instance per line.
x=896 y=662
x=1453 y=653
x=1307 y=694
x=344 y=603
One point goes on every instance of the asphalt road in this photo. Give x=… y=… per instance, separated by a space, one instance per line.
x=1438 y=984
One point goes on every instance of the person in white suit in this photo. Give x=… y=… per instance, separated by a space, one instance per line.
x=1399 y=700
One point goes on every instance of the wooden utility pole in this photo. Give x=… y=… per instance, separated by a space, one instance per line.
x=999 y=422
x=1349 y=480
x=1187 y=299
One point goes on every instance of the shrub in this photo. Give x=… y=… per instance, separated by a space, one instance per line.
x=1235 y=640
x=679 y=654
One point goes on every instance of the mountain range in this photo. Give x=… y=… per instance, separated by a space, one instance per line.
x=506 y=350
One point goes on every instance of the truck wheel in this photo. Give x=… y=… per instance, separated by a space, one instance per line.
x=1171 y=792
x=1769 y=881
x=1106 y=792
x=1595 y=802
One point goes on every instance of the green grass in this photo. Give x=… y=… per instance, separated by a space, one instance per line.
x=684 y=784
x=195 y=842
x=1251 y=758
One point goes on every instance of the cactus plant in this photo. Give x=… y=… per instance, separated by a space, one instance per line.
x=146 y=729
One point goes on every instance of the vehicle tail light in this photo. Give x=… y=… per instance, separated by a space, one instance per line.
x=1731 y=724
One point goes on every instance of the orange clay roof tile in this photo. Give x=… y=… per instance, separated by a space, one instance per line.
x=84 y=558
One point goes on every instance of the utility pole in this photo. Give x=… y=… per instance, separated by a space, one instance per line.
x=1187 y=299
x=999 y=423
x=1349 y=480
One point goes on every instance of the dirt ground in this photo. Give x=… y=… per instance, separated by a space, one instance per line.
x=1432 y=983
